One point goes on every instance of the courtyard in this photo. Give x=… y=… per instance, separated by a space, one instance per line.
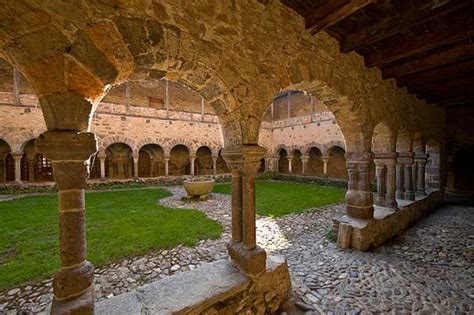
x=426 y=270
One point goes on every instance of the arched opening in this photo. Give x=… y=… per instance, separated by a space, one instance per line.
x=297 y=163
x=4 y=151
x=315 y=163
x=262 y=166
x=463 y=170
x=337 y=163
x=283 y=165
x=151 y=161
x=203 y=163
x=9 y=168
x=222 y=167
x=179 y=161
x=43 y=168
x=119 y=161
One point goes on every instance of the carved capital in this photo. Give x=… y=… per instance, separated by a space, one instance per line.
x=246 y=160
x=67 y=145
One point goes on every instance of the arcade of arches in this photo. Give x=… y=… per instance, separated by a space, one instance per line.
x=113 y=90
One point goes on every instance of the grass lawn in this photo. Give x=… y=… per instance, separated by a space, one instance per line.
x=119 y=224
x=276 y=199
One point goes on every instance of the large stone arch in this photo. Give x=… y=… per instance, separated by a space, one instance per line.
x=151 y=40
x=107 y=141
x=191 y=146
x=307 y=148
x=329 y=145
x=280 y=147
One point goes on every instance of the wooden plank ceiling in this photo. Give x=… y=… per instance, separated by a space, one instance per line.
x=426 y=45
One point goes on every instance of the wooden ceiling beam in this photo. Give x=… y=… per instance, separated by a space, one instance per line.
x=448 y=56
x=443 y=85
x=436 y=74
x=424 y=43
x=315 y=22
x=393 y=25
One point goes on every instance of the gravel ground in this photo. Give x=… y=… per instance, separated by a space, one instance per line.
x=427 y=270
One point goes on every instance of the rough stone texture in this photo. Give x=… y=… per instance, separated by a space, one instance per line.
x=213 y=288
x=427 y=269
x=386 y=224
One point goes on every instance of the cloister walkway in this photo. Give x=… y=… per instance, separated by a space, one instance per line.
x=427 y=270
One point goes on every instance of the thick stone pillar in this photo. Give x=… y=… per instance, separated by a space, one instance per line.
x=380 y=174
x=304 y=161
x=214 y=165
x=17 y=158
x=70 y=154
x=290 y=168
x=102 y=167
x=420 y=160
x=325 y=160
x=135 y=167
x=359 y=197
x=191 y=162
x=243 y=249
x=167 y=165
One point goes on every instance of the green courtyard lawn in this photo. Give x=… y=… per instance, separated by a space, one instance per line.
x=275 y=198
x=119 y=224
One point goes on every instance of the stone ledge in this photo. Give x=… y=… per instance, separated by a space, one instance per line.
x=213 y=288
x=363 y=234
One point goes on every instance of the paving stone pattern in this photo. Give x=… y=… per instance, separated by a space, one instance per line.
x=427 y=270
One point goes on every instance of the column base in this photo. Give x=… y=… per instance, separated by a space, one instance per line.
x=83 y=304
x=421 y=193
x=392 y=204
x=410 y=195
x=400 y=195
x=360 y=212
x=251 y=262
x=379 y=201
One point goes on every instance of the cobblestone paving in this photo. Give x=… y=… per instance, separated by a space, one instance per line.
x=427 y=270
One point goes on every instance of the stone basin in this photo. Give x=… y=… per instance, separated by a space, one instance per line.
x=198 y=187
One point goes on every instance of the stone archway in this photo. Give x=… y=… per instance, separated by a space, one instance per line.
x=297 y=163
x=315 y=163
x=222 y=167
x=119 y=161
x=283 y=163
x=204 y=162
x=43 y=168
x=337 y=163
x=179 y=163
x=151 y=161
x=4 y=166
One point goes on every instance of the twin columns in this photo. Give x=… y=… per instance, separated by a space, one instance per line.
x=398 y=176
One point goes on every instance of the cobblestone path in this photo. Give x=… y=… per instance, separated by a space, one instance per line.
x=427 y=270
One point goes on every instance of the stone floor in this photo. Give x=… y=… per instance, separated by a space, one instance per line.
x=427 y=270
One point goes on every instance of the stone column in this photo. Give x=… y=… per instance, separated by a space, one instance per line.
x=380 y=174
x=102 y=167
x=167 y=164
x=290 y=160
x=17 y=157
x=400 y=194
x=325 y=160
x=191 y=162
x=304 y=161
x=407 y=162
x=31 y=170
x=135 y=166
x=70 y=154
x=214 y=165
x=390 y=200
x=268 y=164
x=243 y=249
x=276 y=166
x=421 y=159
x=359 y=197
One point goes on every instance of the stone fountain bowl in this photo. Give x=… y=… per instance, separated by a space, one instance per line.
x=198 y=187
